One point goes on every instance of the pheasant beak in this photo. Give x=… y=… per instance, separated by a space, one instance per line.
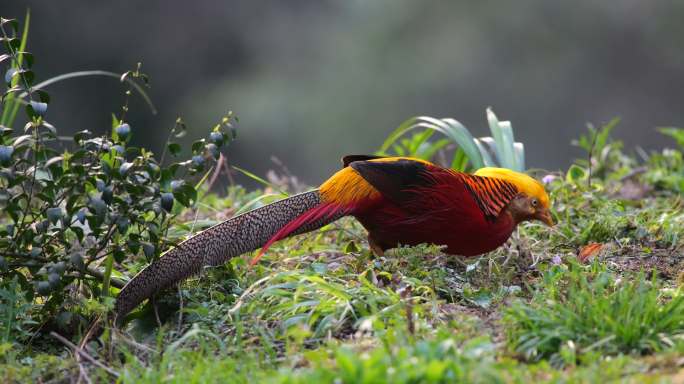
x=544 y=216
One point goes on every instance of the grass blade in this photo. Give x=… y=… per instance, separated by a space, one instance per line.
x=397 y=133
x=12 y=103
x=72 y=75
x=248 y=206
x=460 y=161
x=260 y=180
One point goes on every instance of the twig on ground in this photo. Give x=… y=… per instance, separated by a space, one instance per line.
x=93 y=328
x=180 y=310
x=82 y=373
x=156 y=313
x=130 y=341
x=84 y=354
x=405 y=294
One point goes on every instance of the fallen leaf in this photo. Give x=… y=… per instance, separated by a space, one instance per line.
x=589 y=251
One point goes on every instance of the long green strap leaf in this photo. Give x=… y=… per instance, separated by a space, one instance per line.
x=479 y=152
x=462 y=137
x=486 y=145
x=503 y=137
x=451 y=128
x=520 y=155
x=509 y=145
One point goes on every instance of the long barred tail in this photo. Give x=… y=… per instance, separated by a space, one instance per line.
x=218 y=244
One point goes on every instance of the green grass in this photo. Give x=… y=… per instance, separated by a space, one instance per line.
x=321 y=308
x=445 y=356
x=578 y=310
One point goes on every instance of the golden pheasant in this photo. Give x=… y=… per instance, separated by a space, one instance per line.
x=399 y=200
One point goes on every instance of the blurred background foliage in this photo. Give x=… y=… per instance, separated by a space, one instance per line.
x=314 y=80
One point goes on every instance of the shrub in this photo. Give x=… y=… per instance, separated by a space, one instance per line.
x=69 y=212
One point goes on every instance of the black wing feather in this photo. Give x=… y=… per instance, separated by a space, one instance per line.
x=396 y=179
x=352 y=158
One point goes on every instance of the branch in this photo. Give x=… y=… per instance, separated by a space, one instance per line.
x=83 y=354
x=92 y=271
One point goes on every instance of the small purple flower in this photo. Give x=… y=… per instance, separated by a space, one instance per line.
x=549 y=178
x=556 y=260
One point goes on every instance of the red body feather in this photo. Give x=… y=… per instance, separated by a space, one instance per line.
x=449 y=215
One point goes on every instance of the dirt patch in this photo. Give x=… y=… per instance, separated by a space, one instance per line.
x=668 y=264
x=487 y=320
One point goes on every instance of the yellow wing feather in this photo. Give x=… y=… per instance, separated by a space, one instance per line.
x=347 y=187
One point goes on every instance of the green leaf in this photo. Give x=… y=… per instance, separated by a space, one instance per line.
x=14 y=24
x=28 y=57
x=676 y=133
x=460 y=135
x=22 y=140
x=148 y=250
x=575 y=174
x=6 y=154
x=54 y=214
x=451 y=128
x=174 y=148
x=476 y=152
x=198 y=146
x=484 y=144
x=351 y=247
x=184 y=193
x=460 y=161
x=519 y=149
